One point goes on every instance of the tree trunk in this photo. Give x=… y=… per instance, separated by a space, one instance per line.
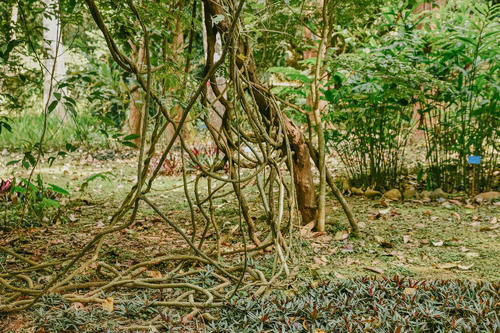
x=54 y=62
x=136 y=106
x=217 y=112
x=317 y=106
x=13 y=21
x=303 y=179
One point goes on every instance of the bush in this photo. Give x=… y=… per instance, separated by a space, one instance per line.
x=372 y=95
x=462 y=118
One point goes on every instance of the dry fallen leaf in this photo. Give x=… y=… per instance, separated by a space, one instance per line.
x=374 y=269
x=494 y=220
x=465 y=267
x=384 y=211
x=447 y=265
x=305 y=231
x=341 y=235
x=154 y=274
x=409 y=291
x=493 y=227
x=108 y=304
x=78 y=306
x=338 y=275
x=406 y=239
x=386 y=245
x=434 y=218
x=320 y=260
x=438 y=243
x=456 y=215
x=319 y=330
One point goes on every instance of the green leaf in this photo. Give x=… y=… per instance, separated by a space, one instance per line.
x=70 y=100
x=13 y=162
x=97 y=175
x=58 y=189
x=50 y=202
x=131 y=137
x=128 y=144
x=51 y=160
x=19 y=189
x=53 y=105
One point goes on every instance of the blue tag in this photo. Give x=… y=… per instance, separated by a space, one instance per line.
x=474 y=159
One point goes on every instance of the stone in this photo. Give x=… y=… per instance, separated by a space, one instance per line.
x=487 y=196
x=410 y=193
x=371 y=193
x=438 y=193
x=425 y=194
x=357 y=191
x=393 y=194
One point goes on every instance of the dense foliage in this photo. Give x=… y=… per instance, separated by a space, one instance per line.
x=374 y=305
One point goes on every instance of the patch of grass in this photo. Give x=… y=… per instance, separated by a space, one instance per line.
x=27 y=128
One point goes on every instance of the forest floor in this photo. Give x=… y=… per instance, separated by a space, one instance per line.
x=450 y=239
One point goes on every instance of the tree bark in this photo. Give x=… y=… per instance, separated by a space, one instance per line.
x=217 y=112
x=136 y=107
x=303 y=179
x=52 y=35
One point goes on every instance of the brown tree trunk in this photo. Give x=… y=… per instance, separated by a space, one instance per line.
x=302 y=170
x=136 y=108
x=302 y=174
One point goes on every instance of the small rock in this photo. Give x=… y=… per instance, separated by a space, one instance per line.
x=357 y=191
x=371 y=193
x=393 y=194
x=410 y=193
x=487 y=196
x=438 y=194
x=425 y=194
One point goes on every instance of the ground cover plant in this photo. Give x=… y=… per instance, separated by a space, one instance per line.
x=249 y=165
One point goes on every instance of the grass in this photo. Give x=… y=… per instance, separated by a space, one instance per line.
x=78 y=131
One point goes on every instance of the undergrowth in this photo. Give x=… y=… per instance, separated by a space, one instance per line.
x=369 y=305
x=79 y=130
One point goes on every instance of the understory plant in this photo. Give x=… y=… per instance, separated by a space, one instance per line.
x=37 y=202
x=372 y=94
x=462 y=117
x=369 y=305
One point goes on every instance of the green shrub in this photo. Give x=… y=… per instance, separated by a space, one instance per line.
x=462 y=118
x=372 y=94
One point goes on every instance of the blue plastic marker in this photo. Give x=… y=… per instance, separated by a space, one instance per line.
x=474 y=159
